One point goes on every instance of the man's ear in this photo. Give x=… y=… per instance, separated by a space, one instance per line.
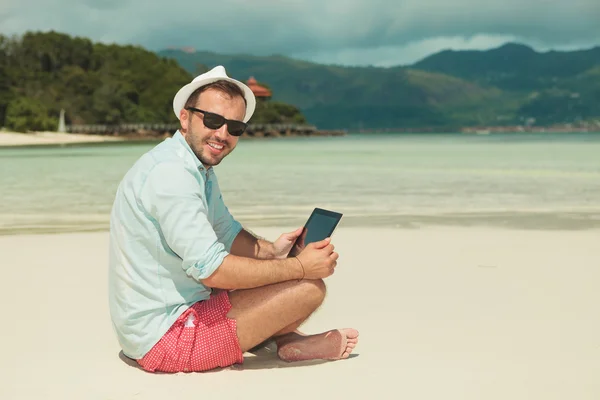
x=183 y=120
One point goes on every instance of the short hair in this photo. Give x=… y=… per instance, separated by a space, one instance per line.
x=224 y=86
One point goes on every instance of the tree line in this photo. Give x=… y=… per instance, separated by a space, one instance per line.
x=95 y=83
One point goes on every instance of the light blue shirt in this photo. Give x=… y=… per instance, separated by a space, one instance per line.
x=169 y=228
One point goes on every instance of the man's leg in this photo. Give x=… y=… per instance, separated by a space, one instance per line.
x=279 y=309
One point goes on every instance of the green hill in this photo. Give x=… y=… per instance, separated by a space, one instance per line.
x=42 y=73
x=95 y=83
x=508 y=85
x=570 y=99
x=550 y=87
x=512 y=66
x=352 y=97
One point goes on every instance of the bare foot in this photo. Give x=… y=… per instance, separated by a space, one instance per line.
x=331 y=345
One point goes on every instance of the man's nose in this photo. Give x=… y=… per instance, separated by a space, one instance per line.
x=222 y=132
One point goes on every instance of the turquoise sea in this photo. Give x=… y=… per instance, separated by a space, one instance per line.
x=525 y=180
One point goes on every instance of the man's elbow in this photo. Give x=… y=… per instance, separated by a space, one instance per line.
x=209 y=282
x=217 y=280
x=212 y=281
x=224 y=277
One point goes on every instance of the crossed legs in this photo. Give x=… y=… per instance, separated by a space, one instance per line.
x=277 y=311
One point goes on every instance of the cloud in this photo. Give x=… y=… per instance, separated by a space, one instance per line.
x=105 y=4
x=379 y=32
x=387 y=56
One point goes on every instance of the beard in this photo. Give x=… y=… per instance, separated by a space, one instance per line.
x=209 y=160
x=197 y=143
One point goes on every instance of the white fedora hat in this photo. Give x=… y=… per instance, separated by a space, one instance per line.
x=216 y=74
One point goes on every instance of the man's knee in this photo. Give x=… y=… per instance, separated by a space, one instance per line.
x=319 y=285
x=315 y=290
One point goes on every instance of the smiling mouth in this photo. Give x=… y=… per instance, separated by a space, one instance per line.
x=216 y=148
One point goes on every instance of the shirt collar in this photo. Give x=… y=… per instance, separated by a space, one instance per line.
x=181 y=140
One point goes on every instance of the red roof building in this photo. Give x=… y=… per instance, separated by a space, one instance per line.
x=258 y=90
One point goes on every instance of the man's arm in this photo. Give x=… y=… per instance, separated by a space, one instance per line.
x=248 y=245
x=172 y=197
x=245 y=273
x=317 y=261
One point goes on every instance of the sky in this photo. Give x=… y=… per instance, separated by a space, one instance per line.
x=344 y=32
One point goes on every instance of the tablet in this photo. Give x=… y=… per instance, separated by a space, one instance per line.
x=320 y=225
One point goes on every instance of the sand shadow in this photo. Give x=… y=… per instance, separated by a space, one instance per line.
x=132 y=363
x=263 y=356
x=129 y=361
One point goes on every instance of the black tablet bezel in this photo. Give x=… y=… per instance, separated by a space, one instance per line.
x=326 y=213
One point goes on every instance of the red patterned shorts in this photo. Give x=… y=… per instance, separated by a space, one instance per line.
x=201 y=339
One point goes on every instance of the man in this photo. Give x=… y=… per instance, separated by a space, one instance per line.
x=189 y=288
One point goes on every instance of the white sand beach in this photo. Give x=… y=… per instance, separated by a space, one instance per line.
x=443 y=313
x=44 y=138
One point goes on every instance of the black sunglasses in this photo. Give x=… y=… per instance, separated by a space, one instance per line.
x=215 y=121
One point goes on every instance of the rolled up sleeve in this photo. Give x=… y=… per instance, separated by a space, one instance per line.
x=174 y=198
x=226 y=227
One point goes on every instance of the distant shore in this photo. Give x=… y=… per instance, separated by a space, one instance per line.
x=10 y=139
x=558 y=128
x=14 y=139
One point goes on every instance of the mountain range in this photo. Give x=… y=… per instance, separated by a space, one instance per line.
x=509 y=85
x=42 y=74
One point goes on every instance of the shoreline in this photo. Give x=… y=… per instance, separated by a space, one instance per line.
x=10 y=139
x=581 y=221
x=15 y=139
x=39 y=139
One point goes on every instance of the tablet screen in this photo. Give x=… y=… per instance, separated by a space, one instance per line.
x=319 y=226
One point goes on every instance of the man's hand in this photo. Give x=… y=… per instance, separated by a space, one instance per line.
x=283 y=245
x=318 y=259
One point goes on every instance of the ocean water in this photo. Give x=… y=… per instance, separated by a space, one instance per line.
x=529 y=181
